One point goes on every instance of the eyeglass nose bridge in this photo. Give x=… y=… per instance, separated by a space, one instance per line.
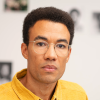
x=51 y=44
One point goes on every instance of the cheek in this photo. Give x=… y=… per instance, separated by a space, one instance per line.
x=62 y=62
x=35 y=60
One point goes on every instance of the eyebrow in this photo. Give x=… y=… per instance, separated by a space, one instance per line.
x=62 y=40
x=44 y=38
x=40 y=37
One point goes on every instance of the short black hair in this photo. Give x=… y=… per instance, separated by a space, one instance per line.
x=47 y=13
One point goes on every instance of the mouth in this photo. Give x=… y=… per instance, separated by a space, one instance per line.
x=49 y=68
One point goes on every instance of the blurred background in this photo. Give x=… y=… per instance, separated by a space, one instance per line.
x=84 y=64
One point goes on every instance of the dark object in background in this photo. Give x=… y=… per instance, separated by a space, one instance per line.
x=75 y=15
x=5 y=72
x=96 y=17
x=16 y=5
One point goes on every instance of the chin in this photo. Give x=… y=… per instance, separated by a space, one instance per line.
x=49 y=80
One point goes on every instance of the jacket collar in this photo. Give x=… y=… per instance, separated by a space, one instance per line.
x=24 y=94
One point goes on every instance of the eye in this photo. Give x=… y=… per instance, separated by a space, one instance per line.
x=61 y=46
x=41 y=44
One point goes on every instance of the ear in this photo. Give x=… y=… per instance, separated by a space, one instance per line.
x=69 y=52
x=24 y=50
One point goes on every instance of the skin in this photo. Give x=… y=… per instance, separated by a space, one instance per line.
x=38 y=80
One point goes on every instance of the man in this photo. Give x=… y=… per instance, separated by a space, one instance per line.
x=47 y=36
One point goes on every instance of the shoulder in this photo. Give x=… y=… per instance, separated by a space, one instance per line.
x=71 y=90
x=6 y=92
x=71 y=86
x=5 y=87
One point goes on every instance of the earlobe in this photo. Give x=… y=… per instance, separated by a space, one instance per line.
x=24 y=50
x=69 y=52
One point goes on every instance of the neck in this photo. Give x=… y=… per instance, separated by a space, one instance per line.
x=43 y=90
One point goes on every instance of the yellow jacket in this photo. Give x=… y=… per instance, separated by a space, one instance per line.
x=65 y=90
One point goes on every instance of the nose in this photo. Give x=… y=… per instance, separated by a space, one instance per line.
x=50 y=54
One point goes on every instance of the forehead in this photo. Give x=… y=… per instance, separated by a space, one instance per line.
x=49 y=29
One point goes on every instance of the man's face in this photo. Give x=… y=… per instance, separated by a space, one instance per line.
x=48 y=67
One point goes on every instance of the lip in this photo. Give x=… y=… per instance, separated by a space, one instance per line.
x=49 y=68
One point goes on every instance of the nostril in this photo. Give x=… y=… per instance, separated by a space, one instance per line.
x=50 y=59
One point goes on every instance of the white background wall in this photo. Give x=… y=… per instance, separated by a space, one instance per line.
x=84 y=64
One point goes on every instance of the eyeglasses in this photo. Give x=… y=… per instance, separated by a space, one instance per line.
x=41 y=47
